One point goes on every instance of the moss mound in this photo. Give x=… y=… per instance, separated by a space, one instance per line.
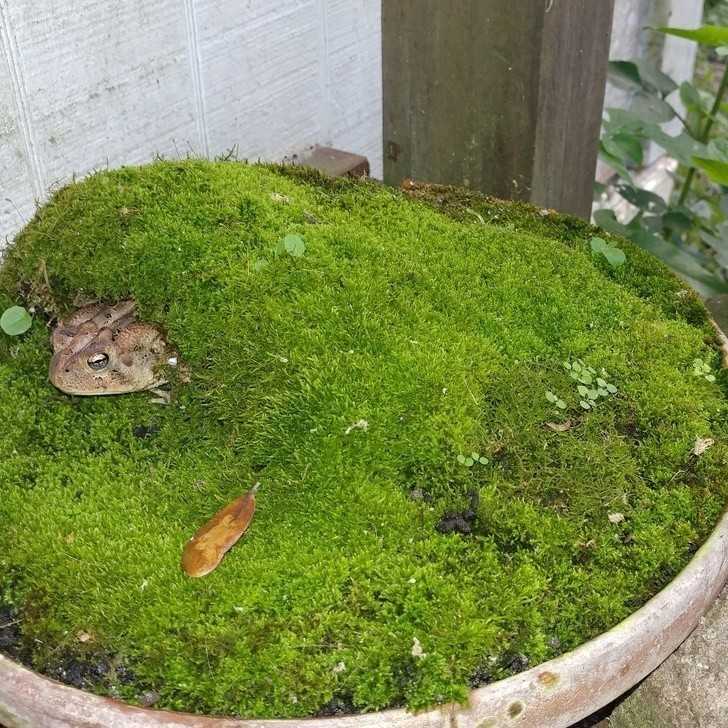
x=348 y=381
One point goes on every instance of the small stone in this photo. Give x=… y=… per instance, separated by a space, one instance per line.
x=358 y=425
x=616 y=517
x=417 y=650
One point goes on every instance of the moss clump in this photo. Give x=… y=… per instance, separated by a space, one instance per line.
x=443 y=336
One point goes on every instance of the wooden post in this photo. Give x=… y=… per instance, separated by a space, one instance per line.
x=504 y=96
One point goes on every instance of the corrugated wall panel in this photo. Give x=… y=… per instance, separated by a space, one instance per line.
x=354 y=68
x=260 y=75
x=17 y=186
x=107 y=83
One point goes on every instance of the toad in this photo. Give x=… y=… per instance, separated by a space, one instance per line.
x=103 y=349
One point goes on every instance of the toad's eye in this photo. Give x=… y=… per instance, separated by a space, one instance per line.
x=98 y=361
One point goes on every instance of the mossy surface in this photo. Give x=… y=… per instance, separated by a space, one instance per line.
x=443 y=335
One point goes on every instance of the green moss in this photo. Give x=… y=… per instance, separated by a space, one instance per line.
x=443 y=333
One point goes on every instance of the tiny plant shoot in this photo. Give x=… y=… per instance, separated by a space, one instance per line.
x=701 y=369
x=15 y=321
x=589 y=386
x=293 y=245
x=615 y=256
x=469 y=460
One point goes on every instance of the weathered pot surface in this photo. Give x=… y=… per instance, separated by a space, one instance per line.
x=554 y=694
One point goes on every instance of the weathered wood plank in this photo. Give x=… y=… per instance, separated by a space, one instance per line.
x=575 y=50
x=504 y=96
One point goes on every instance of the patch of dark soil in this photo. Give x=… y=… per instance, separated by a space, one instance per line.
x=93 y=670
x=10 y=635
x=516 y=663
x=338 y=705
x=481 y=676
x=462 y=522
x=144 y=432
x=83 y=673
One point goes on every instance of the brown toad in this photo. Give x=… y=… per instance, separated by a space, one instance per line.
x=102 y=349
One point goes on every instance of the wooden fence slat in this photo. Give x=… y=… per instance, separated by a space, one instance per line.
x=504 y=96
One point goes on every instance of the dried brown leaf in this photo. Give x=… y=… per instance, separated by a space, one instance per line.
x=204 y=551
x=560 y=426
x=702 y=444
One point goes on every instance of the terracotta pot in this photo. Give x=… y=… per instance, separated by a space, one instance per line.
x=554 y=694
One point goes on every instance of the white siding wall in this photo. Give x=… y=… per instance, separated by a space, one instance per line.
x=86 y=84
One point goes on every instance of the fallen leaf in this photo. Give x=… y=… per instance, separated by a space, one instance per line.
x=702 y=444
x=204 y=551
x=560 y=426
x=84 y=637
x=616 y=517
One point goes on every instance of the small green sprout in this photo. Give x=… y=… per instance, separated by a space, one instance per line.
x=701 y=369
x=292 y=244
x=590 y=385
x=614 y=255
x=555 y=400
x=15 y=321
x=469 y=460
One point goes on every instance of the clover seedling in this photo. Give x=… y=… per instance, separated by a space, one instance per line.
x=293 y=245
x=469 y=460
x=614 y=255
x=701 y=369
x=15 y=321
x=589 y=386
x=555 y=400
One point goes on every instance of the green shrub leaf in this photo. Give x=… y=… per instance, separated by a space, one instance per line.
x=714 y=168
x=690 y=96
x=624 y=74
x=652 y=108
x=712 y=35
x=644 y=199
